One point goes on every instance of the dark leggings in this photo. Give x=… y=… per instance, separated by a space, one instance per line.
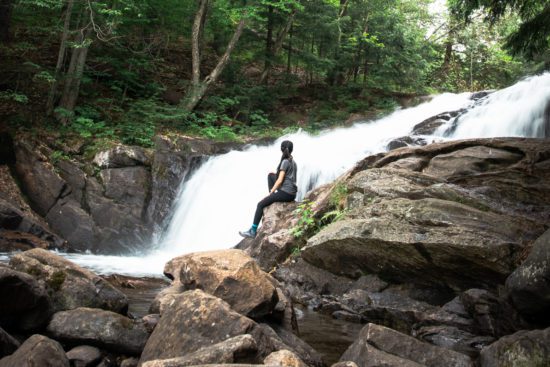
x=279 y=196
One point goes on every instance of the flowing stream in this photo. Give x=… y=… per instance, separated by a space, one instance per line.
x=220 y=197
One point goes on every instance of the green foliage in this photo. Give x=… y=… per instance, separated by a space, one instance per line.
x=13 y=96
x=307 y=224
x=58 y=155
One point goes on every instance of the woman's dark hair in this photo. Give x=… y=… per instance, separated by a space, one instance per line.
x=286 y=148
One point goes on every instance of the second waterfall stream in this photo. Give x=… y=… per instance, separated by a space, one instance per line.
x=220 y=197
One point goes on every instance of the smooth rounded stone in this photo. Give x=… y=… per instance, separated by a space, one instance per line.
x=369 y=356
x=104 y=329
x=529 y=285
x=84 y=356
x=524 y=348
x=25 y=303
x=8 y=344
x=206 y=320
x=427 y=240
x=284 y=358
x=232 y=350
x=37 y=351
x=70 y=285
x=375 y=338
x=122 y=156
x=231 y=275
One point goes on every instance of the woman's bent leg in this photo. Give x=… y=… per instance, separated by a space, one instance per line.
x=279 y=196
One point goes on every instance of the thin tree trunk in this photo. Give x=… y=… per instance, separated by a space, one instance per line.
x=195 y=40
x=60 y=57
x=75 y=72
x=268 y=46
x=279 y=45
x=6 y=7
x=288 y=63
x=197 y=91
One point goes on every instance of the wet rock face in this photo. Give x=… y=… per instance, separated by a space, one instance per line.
x=456 y=207
x=38 y=350
x=529 y=285
x=25 y=303
x=526 y=348
x=104 y=329
x=70 y=285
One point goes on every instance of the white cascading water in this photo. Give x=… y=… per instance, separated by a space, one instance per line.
x=221 y=196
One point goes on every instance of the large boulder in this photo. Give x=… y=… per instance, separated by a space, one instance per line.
x=103 y=329
x=430 y=240
x=230 y=275
x=70 y=285
x=529 y=285
x=425 y=214
x=206 y=320
x=25 y=303
x=284 y=358
x=37 y=351
x=238 y=348
x=374 y=339
x=524 y=348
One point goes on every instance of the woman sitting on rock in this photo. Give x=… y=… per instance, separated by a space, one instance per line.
x=282 y=186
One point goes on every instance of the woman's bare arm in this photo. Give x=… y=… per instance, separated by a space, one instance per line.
x=279 y=182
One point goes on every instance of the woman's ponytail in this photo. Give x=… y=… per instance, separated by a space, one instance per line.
x=286 y=148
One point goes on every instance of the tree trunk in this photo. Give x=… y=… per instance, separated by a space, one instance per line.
x=60 y=57
x=74 y=78
x=288 y=63
x=195 y=40
x=198 y=90
x=6 y=7
x=278 y=45
x=268 y=46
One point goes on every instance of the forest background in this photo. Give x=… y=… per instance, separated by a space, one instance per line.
x=111 y=71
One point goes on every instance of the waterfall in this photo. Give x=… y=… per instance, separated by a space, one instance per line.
x=521 y=110
x=220 y=197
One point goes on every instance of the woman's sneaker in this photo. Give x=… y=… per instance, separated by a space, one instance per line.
x=251 y=233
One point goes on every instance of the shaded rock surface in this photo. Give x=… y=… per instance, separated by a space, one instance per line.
x=401 y=346
x=110 y=205
x=25 y=303
x=236 y=349
x=524 y=348
x=70 y=285
x=529 y=285
x=230 y=275
x=103 y=329
x=8 y=344
x=37 y=351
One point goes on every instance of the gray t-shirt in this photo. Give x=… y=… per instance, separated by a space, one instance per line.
x=289 y=183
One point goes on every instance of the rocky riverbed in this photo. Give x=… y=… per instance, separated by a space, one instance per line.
x=433 y=256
